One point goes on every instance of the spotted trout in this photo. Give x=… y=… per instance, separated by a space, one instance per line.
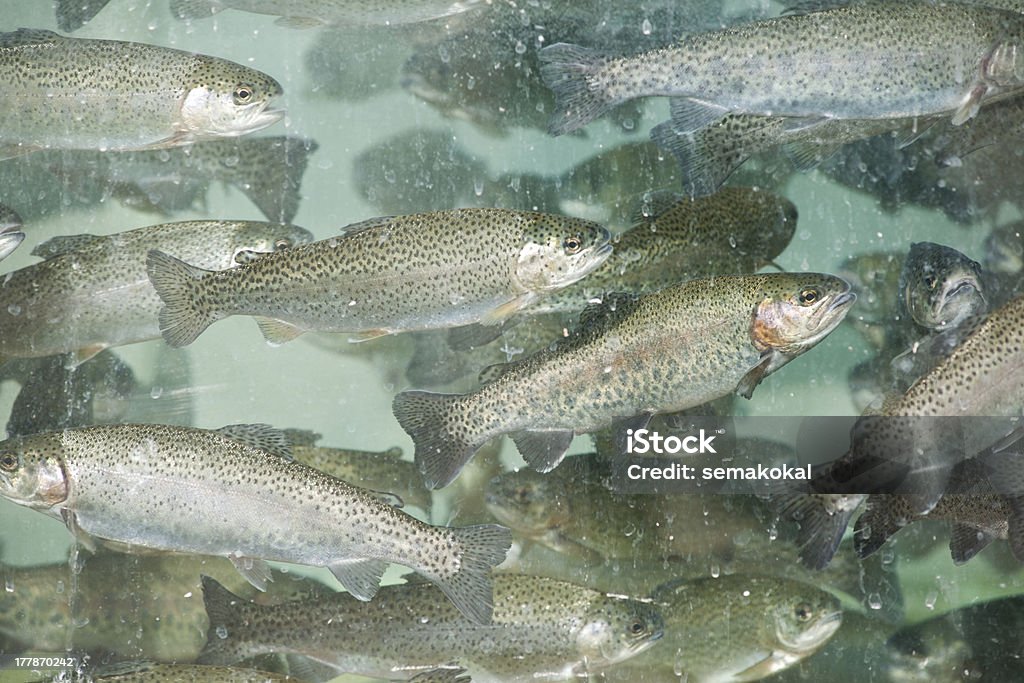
x=542 y=629
x=11 y=234
x=75 y=93
x=388 y=275
x=940 y=287
x=863 y=60
x=631 y=357
x=92 y=292
x=177 y=489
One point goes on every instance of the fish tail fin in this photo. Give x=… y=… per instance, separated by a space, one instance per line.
x=182 y=318
x=821 y=526
x=569 y=70
x=223 y=609
x=272 y=176
x=470 y=587
x=444 y=442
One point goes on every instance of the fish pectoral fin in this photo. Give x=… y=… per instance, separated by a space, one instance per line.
x=278 y=331
x=255 y=571
x=260 y=436
x=757 y=373
x=543 y=450
x=500 y=314
x=367 y=335
x=969 y=107
x=763 y=668
x=81 y=537
x=966 y=541
x=360 y=577
x=470 y=336
x=690 y=115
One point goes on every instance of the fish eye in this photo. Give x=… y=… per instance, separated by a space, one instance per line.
x=930 y=281
x=572 y=244
x=803 y=612
x=637 y=627
x=522 y=494
x=809 y=295
x=8 y=462
x=243 y=94
x=282 y=243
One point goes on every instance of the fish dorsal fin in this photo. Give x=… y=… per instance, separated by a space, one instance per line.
x=260 y=436
x=73 y=14
x=654 y=205
x=611 y=307
x=368 y=224
x=28 y=36
x=302 y=437
x=66 y=244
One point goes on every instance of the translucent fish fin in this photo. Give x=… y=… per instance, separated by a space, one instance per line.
x=73 y=14
x=277 y=331
x=690 y=115
x=911 y=134
x=360 y=577
x=471 y=336
x=754 y=377
x=502 y=313
x=261 y=437
x=966 y=541
x=567 y=70
x=820 y=530
x=81 y=537
x=807 y=155
x=703 y=168
x=761 y=669
x=183 y=316
x=222 y=608
x=255 y=571
x=543 y=450
x=443 y=446
x=470 y=589
x=195 y=9
x=875 y=526
x=970 y=106
x=368 y=335
x=271 y=176
x=66 y=244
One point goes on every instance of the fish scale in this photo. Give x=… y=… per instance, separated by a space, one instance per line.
x=390 y=274
x=191 y=490
x=121 y=95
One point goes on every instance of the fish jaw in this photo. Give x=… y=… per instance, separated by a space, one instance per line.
x=786 y=331
x=207 y=113
x=32 y=479
x=960 y=299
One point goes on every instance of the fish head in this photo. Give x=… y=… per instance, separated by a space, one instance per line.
x=798 y=310
x=1004 y=249
x=32 y=471
x=940 y=286
x=805 y=620
x=529 y=502
x=617 y=628
x=254 y=238
x=228 y=100
x=557 y=251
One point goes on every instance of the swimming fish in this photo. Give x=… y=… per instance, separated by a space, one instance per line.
x=75 y=93
x=738 y=230
x=191 y=490
x=388 y=275
x=314 y=13
x=631 y=357
x=155 y=672
x=11 y=234
x=863 y=60
x=964 y=405
x=940 y=287
x=541 y=629
x=92 y=292
x=734 y=628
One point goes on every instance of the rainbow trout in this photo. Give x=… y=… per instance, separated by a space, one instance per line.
x=316 y=13
x=197 y=491
x=863 y=60
x=632 y=357
x=92 y=292
x=388 y=275
x=940 y=287
x=11 y=234
x=542 y=629
x=75 y=93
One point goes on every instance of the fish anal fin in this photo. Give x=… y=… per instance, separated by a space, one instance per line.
x=254 y=570
x=278 y=331
x=360 y=577
x=543 y=450
x=368 y=335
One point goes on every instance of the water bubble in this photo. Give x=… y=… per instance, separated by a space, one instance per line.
x=875 y=601
x=8 y=586
x=60 y=586
x=470 y=83
x=221 y=631
x=156 y=392
x=931 y=599
x=520 y=47
x=442 y=52
x=646 y=27
x=79 y=622
x=231 y=161
x=677 y=664
x=478 y=186
x=716 y=571
x=390 y=177
x=14 y=309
